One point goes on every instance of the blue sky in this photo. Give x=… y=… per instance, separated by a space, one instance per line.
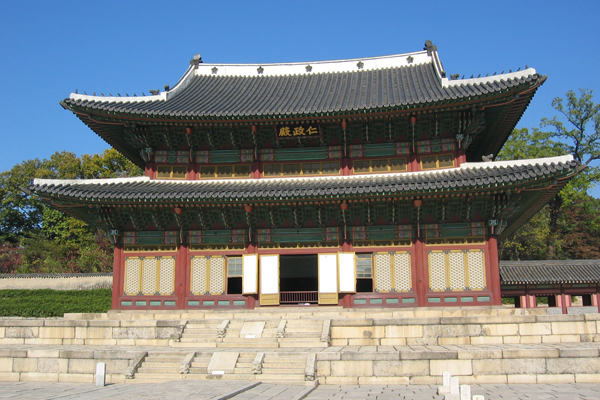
x=50 y=48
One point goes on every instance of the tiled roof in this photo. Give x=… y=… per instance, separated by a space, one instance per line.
x=216 y=90
x=549 y=272
x=468 y=176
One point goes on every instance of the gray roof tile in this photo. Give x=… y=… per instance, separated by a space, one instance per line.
x=230 y=190
x=549 y=272
x=329 y=92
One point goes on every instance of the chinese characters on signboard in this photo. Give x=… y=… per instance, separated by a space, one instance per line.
x=297 y=131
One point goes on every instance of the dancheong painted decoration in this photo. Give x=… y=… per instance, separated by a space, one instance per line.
x=362 y=183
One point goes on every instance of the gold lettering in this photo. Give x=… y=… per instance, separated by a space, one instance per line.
x=285 y=131
x=298 y=131
x=311 y=131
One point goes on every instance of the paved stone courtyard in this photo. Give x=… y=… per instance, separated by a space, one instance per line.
x=240 y=390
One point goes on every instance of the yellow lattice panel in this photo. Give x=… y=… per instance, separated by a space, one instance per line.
x=217 y=275
x=327 y=298
x=456 y=270
x=402 y=275
x=199 y=275
x=476 y=262
x=166 y=285
x=132 y=275
x=149 y=276
x=437 y=270
x=269 y=299
x=383 y=272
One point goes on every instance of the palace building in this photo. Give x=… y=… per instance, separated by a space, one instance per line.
x=364 y=183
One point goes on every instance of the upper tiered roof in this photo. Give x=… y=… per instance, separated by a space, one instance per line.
x=243 y=103
x=209 y=91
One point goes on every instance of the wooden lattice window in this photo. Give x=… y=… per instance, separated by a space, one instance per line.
x=171 y=172
x=225 y=171
x=364 y=266
x=438 y=161
x=364 y=272
x=234 y=266
x=380 y=165
x=302 y=169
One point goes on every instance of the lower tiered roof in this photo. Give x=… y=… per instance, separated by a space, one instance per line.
x=549 y=272
x=507 y=191
x=470 y=176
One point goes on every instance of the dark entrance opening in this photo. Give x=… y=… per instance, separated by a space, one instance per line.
x=298 y=279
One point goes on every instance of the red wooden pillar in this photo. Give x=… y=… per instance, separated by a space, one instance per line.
x=595 y=297
x=118 y=277
x=531 y=301
x=461 y=157
x=181 y=276
x=256 y=170
x=566 y=302
x=346 y=166
x=251 y=248
x=421 y=274
x=560 y=302
x=523 y=301
x=494 y=270
x=413 y=163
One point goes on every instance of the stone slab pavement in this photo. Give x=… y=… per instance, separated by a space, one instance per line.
x=242 y=390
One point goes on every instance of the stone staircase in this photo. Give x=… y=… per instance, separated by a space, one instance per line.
x=303 y=333
x=199 y=365
x=251 y=334
x=159 y=367
x=283 y=368
x=199 y=333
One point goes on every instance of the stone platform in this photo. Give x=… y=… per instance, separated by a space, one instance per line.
x=306 y=346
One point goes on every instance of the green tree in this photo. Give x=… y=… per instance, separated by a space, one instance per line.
x=49 y=240
x=566 y=220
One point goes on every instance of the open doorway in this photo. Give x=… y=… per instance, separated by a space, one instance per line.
x=298 y=279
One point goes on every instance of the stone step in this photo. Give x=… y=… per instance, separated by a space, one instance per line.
x=160 y=360
x=248 y=340
x=286 y=354
x=199 y=370
x=157 y=370
x=159 y=364
x=200 y=364
x=211 y=326
x=226 y=377
x=197 y=332
x=242 y=370
x=284 y=363
x=200 y=338
x=158 y=377
x=248 y=345
x=279 y=370
x=294 y=335
x=303 y=344
x=195 y=344
x=281 y=377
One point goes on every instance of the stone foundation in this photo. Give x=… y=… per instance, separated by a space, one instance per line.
x=494 y=345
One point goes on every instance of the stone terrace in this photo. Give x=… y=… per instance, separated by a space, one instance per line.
x=306 y=345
